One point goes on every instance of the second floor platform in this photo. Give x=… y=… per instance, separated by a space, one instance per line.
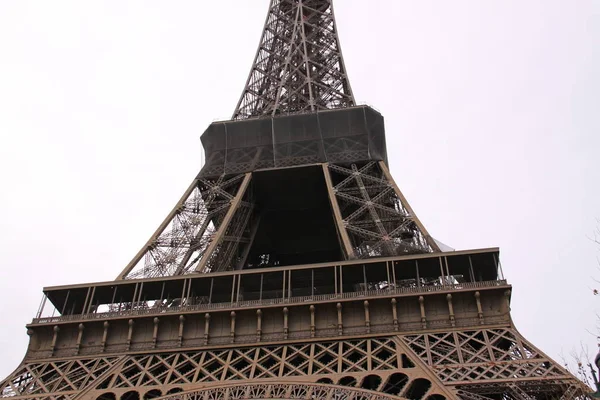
x=314 y=283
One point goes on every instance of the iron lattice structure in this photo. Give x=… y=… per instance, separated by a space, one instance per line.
x=211 y=228
x=210 y=211
x=293 y=267
x=299 y=65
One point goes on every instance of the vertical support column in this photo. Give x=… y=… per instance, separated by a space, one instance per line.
x=450 y=310
x=80 y=329
x=155 y=332
x=387 y=272
x=499 y=272
x=182 y=291
x=367 y=317
x=232 y=332
x=423 y=316
x=114 y=296
x=87 y=298
x=479 y=309
x=337 y=214
x=335 y=280
x=43 y=304
x=206 y=328
x=284 y=285
x=471 y=272
x=394 y=314
x=180 y=334
x=507 y=298
x=129 y=333
x=62 y=312
x=442 y=272
x=313 y=328
x=340 y=325
x=139 y=299
x=233 y=288
x=261 y=286
x=106 y=325
x=285 y=323
x=258 y=324
x=54 y=339
x=220 y=234
x=188 y=298
x=162 y=293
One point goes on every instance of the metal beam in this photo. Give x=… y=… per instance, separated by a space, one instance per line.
x=341 y=228
x=424 y=231
x=157 y=233
x=218 y=238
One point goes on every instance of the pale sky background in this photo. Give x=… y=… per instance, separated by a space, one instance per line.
x=492 y=119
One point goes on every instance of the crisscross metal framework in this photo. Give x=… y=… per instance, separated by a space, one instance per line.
x=368 y=368
x=298 y=65
x=492 y=361
x=298 y=69
x=210 y=219
x=374 y=213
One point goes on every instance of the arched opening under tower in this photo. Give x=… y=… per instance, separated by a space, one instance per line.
x=417 y=389
x=395 y=383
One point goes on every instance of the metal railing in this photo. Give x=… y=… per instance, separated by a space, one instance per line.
x=391 y=291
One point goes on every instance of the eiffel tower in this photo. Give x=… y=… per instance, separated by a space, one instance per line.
x=291 y=268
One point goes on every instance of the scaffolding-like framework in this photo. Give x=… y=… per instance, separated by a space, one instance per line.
x=299 y=65
x=351 y=297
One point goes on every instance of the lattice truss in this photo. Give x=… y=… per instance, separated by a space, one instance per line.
x=490 y=362
x=299 y=65
x=65 y=378
x=382 y=365
x=375 y=215
x=184 y=241
x=283 y=391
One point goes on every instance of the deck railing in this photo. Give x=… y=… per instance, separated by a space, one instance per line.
x=151 y=310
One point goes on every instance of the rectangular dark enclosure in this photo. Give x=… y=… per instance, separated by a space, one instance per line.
x=295 y=220
x=345 y=135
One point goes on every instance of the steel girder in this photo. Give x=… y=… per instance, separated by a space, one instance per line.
x=200 y=234
x=476 y=364
x=367 y=368
x=375 y=214
x=298 y=65
x=494 y=361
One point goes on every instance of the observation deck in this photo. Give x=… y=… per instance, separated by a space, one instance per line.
x=306 y=302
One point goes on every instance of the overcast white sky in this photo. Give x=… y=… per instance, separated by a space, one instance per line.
x=491 y=114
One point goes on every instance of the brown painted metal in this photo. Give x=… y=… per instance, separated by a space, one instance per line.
x=299 y=65
x=345 y=239
x=158 y=231
x=392 y=318
x=220 y=348
x=218 y=237
x=422 y=228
